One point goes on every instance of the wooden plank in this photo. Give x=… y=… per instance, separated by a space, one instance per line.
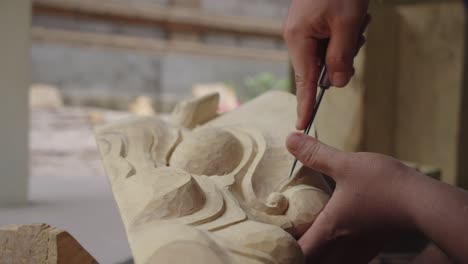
x=339 y=122
x=462 y=180
x=188 y=34
x=154 y=45
x=148 y=13
x=415 y=106
x=430 y=71
x=381 y=59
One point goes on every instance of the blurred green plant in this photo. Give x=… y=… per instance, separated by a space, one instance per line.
x=258 y=84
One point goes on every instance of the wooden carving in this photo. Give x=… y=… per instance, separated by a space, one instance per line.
x=203 y=188
x=40 y=243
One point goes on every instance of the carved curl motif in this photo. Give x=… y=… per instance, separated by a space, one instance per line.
x=213 y=188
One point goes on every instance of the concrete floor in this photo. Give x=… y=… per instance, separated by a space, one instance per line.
x=83 y=206
x=68 y=187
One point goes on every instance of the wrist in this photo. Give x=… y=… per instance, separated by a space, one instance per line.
x=409 y=200
x=413 y=197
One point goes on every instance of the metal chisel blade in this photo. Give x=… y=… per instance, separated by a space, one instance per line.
x=309 y=125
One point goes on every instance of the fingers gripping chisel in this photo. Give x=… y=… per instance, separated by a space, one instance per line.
x=323 y=84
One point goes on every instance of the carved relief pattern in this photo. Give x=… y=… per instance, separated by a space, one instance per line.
x=210 y=189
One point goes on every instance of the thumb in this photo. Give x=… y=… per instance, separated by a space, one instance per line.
x=316 y=155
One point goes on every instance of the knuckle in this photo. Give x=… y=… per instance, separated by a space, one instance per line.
x=291 y=31
x=334 y=228
x=311 y=153
x=299 y=80
x=331 y=230
x=350 y=19
x=339 y=63
x=330 y=233
x=337 y=60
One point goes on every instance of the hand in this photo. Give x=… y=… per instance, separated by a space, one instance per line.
x=368 y=204
x=308 y=21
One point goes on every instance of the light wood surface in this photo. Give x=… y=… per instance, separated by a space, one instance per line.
x=429 y=90
x=216 y=188
x=40 y=243
x=414 y=97
x=380 y=79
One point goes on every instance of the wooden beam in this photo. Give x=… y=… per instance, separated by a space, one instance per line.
x=148 y=13
x=184 y=34
x=154 y=45
x=185 y=3
x=430 y=74
x=463 y=121
x=380 y=80
x=416 y=107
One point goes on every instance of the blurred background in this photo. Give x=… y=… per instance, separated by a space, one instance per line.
x=68 y=65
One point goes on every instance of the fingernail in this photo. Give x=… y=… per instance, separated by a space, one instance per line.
x=294 y=141
x=340 y=79
x=299 y=125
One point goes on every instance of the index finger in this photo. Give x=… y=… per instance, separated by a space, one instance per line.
x=304 y=59
x=318 y=238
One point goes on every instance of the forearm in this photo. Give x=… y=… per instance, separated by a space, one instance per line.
x=440 y=212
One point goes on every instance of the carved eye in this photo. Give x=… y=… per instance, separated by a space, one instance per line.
x=208 y=152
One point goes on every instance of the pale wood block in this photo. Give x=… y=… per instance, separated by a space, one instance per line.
x=214 y=187
x=380 y=78
x=40 y=244
x=339 y=121
x=463 y=130
x=414 y=61
x=430 y=71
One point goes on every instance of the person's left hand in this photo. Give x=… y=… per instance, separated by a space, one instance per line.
x=367 y=207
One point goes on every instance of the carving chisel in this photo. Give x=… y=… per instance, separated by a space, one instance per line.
x=323 y=84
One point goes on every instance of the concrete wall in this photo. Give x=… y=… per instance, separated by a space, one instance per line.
x=181 y=71
x=113 y=76
x=96 y=70
x=14 y=83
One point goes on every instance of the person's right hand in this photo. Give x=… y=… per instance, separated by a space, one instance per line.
x=308 y=22
x=369 y=202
